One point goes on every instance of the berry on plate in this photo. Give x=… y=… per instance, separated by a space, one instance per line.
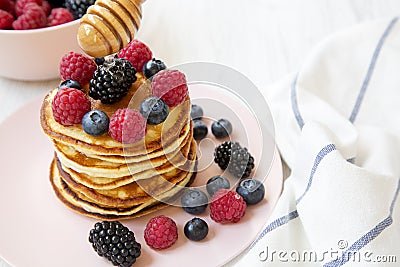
x=95 y=122
x=194 y=201
x=227 y=206
x=160 y=232
x=112 y=80
x=200 y=130
x=171 y=86
x=221 y=128
x=115 y=242
x=137 y=53
x=154 y=109
x=232 y=156
x=69 y=106
x=196 y=112
x=77 y=67
x=216 y=183
x=152 y=67
x=196 y=229
x=127 y=126
x=252 y=191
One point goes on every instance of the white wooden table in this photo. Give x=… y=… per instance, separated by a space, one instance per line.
x=263 y=39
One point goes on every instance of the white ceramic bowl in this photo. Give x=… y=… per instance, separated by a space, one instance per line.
x=33 y=55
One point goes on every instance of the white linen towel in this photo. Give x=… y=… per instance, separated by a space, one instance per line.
x=337 y=124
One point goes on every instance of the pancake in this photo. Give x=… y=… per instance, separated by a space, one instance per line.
x=100 y=177
x=94 y=167
x=184 y=136
x=111 y=183
x=133 y=193
x=157 y=136
x=70 y=199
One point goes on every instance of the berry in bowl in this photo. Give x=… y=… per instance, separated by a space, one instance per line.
x=35 y=34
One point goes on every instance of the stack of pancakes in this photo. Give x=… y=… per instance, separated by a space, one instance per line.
x=102 y=178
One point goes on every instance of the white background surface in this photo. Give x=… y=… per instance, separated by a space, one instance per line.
x=264 y=39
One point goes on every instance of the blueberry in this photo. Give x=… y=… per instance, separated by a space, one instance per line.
x=152 y=67
x=200 y=129
x=99 y=60
x=221 y=128
x=194 y=201
x=70 y=84
x=95 y=122
x=196 y=112
x=251 y=190
x=154 y=109
x=196 y=229
x=215 y=183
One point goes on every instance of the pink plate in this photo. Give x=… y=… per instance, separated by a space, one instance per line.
x=37 y=230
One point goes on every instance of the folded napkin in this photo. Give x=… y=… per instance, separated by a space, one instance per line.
x=337 y=124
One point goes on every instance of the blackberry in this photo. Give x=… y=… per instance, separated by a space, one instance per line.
x=112 y=80
x=235 y=158
x=78 y=7
x=115 y=242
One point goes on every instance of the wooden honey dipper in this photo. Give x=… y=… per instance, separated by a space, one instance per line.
x=108 y=26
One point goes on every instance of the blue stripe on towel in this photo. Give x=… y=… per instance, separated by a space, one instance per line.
x=275 y=224
x=295 y=105
x=325 y=151
x=361 y=94
x=368 y=237
x=371 y=69
x=294 y=214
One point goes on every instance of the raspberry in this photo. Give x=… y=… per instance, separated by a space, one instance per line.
x=137 y=53
x=127 y=126
x=20 y=5
x=6 y=20
x=170 y=86
x=160 y=232
x=69 y=105
x=46 y=7
x=33 y=17
x=59 y=16
x=227 y=206
x=77 y=67
x=8 y=5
